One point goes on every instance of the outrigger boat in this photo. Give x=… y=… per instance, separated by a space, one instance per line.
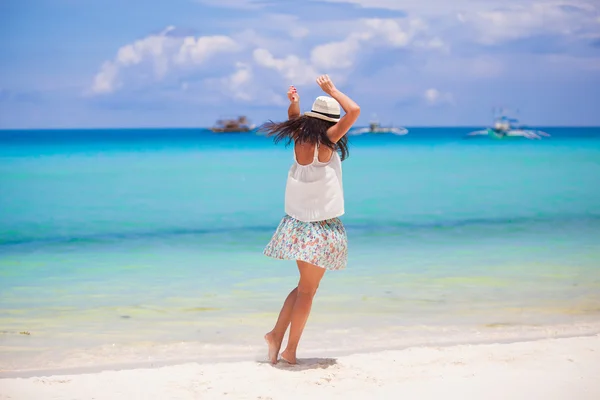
x=375 y=127
x=505 y=127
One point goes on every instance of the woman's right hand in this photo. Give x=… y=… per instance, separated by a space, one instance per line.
x=337 y=131
x=325 y=83
x=293 y=94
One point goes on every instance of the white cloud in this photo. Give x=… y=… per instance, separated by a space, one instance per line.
x=444 y=7
x=236 y=84
x=391 y=30
x=239 y=4
x=496 y=21
x=335 y=55
x=522 y=21
x=292 y=68
x=418 y=7
x=274 y=31
x=198 y=50
x=242 y=85
x=338 y=57
x=156 y=56
x=241 y=76
x=375 y=33
x=287 y=49
x=434 y=96
x=163 y=52
x=106 y=81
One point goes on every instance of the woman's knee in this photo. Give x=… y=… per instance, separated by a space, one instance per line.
x=307 y=289
x=310 y=277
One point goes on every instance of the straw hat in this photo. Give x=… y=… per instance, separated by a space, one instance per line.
x=325 y=108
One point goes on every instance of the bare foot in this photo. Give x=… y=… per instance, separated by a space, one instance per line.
x=288 y=357
x=274 y=343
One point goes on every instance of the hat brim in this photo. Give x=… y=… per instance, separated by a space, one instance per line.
x=321 y=116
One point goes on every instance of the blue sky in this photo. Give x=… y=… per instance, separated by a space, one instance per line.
x=73 y=63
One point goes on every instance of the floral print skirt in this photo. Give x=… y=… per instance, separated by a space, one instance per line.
x=322 y=243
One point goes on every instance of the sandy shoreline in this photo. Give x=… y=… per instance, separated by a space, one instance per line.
x=39 y=354
x=551 y=369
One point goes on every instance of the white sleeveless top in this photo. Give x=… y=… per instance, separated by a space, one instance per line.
x=314 y=192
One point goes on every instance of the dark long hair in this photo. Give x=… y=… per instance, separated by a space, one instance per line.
x=305 y=129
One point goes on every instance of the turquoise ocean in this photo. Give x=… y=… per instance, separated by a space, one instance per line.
x=130 y=246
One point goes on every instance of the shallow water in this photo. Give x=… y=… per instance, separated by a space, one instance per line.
x=146 y=238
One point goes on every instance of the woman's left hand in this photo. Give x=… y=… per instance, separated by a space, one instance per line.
x=326 y=84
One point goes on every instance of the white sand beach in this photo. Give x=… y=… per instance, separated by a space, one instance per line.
x=544 y=369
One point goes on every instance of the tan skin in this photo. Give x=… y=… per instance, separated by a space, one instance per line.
x=297 y=305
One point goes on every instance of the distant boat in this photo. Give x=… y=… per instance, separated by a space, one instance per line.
x=231 y=125
x=505 y=127
x=375 y=128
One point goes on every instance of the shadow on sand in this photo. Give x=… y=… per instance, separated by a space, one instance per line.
x=304 y=364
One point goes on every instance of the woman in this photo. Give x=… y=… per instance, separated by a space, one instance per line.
x=311 y=232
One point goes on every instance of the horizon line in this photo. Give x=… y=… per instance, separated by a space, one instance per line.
x=208 y=128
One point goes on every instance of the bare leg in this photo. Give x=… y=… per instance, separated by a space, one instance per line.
x=310 y=277
x=275 y=337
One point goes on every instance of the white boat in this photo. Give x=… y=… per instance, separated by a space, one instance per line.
x=505 y=127
x=376 y=128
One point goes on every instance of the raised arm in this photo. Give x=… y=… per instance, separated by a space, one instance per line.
x=294 y=108
x=352 y=110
